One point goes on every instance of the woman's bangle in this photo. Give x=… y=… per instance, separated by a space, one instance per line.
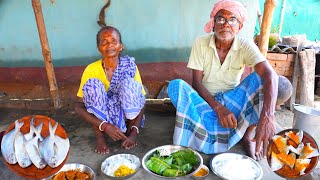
x=135 y=128
x=100 y=126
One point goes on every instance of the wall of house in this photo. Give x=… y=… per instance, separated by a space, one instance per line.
x=152 y=30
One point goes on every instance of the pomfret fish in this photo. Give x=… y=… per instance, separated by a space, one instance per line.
x=33 y=148
x=7 y=144
x=20 y=150
x=28 y=136
x=61 y=147
x=46 y=147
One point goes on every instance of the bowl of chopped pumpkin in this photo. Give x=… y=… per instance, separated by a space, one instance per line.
x=120 y=166
x=172 y=161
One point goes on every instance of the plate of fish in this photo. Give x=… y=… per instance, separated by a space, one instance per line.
x=35 y=147
x=235 y=166
x=292 y=153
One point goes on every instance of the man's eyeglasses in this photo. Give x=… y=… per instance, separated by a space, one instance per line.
x=221 y=21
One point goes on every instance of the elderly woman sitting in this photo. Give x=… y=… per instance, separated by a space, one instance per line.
x=111 y=95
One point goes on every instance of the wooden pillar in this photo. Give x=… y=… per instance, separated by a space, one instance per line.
x=46 y=53
x=308 y=66
x=269 y=7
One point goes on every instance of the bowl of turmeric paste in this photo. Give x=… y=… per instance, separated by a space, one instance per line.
x=202 y=173
x=121 y=166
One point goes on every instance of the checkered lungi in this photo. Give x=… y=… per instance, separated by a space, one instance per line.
x=197 y=125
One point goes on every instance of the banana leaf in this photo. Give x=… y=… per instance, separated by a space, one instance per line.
x=172 y=173
x=156 y=165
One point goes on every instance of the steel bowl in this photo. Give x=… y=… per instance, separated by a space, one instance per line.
x=167 y=150
x=112 y=163
x=201 y=177
x=76 y=166
x=233 y=166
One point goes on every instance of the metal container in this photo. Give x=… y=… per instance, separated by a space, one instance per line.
x=76 y=166
x=112 y=163
x=307 y=119
x=167 y=150
x=201 y=177
x=234 y=166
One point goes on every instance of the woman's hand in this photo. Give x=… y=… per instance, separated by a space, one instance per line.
x=265 y=130
x=114 y=132
x=226 y=118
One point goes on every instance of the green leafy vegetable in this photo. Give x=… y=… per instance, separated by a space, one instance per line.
x=177 y=164
x=167 y=159
x=156 y=165
x=172 y=173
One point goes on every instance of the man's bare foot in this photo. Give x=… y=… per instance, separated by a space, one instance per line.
x=250 y=146
x=131 y=141
x=101 y=146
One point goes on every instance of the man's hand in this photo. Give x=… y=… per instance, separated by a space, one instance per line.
x=114 y=132
x=226 y=118
x=265 y=130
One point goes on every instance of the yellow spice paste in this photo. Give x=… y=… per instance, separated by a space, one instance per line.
x=201 y=172
x=123 y=170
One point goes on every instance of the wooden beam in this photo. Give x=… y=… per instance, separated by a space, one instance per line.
x=269 y=7
x=307 y=76
x=46 y=53
x=295 y=75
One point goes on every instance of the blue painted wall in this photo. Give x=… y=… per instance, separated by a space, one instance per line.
x=300 y=17
x=152 y=30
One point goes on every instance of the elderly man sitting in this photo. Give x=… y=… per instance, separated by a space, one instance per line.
x=219 y=111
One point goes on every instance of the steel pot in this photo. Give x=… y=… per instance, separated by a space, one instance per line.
x=307 y=119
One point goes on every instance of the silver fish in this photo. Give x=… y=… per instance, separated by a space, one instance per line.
x=46 y=147
x=61 y=147
x=28 y=136
x=33 y=148
x=20 y=150
x=7 y=144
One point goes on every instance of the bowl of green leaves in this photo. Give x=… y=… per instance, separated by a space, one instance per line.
x=172 y=161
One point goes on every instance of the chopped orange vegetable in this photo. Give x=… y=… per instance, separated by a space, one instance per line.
x=287 y=159
x=294 y=137
x=281 y=143
x=301 y=165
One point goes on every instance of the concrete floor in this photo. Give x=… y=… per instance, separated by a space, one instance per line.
x=158 y=131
